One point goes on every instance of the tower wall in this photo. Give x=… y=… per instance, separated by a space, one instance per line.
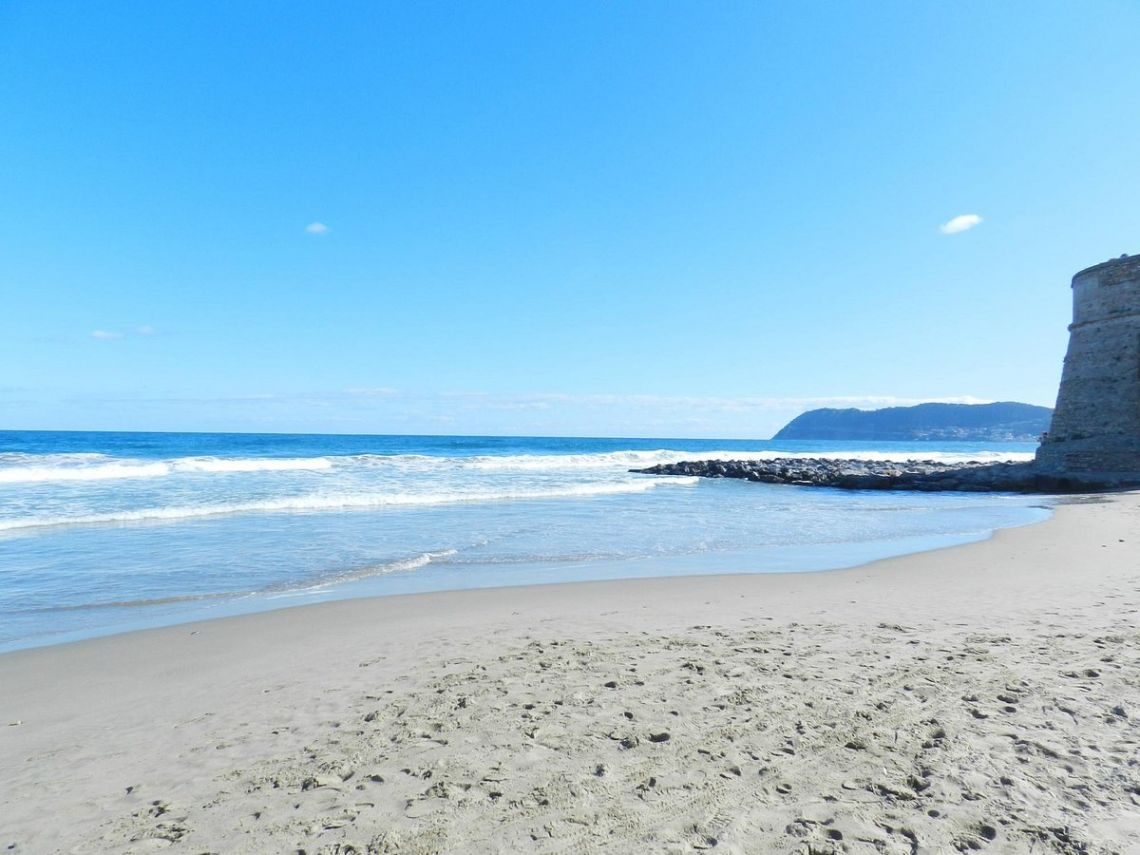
x=1096 y=423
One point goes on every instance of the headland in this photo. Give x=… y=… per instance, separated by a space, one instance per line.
x=1093 y=441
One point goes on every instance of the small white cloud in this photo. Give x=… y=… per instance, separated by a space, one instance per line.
x=104 y=335
x=317 y=229
x=960 y=223
x=146 y=329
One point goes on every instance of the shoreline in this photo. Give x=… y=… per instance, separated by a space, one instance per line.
x=184 y=733
x=774 y=557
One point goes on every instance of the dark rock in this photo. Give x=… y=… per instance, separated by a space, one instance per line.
x=926 y=475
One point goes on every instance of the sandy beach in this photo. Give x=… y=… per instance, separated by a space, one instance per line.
x=984 y=697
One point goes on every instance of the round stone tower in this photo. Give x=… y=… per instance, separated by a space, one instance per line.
x=1096 y=424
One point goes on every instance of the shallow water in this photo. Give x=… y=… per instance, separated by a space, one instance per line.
x=103 y=532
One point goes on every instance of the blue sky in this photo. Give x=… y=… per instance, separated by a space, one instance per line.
x=663 y=219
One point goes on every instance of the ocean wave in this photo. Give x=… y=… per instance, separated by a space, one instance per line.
x=24 y=458
x=344 y=501
x=883 y=456
x=402 y=565
x=252 y=464
x=90 y=472
x=642 y=459
x=30 y=469
x=97 y=467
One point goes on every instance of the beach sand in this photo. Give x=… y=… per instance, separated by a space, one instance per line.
x=984 y=697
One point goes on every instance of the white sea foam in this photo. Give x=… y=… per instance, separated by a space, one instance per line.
x=620 y=461
x=884 y=456
x=344 y=501
x=564 y=462
x=28 y=469
x=87 y=472
x=253 y=464
x=643 y=459
x=22 y=458
x=403 y=565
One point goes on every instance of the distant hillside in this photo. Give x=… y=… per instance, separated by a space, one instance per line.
x=1004 y=422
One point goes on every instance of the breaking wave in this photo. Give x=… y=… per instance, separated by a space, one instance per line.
x=403 y=565
x=343 y=501
x=32 y=469
x=641 y=459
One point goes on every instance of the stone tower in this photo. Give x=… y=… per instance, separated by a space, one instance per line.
x=1096 y=425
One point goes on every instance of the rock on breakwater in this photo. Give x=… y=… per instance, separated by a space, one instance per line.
x=921 y=475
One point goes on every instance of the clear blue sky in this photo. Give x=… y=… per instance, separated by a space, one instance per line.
x=639 y=218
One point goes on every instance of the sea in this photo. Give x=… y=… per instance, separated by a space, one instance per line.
x=104 y=533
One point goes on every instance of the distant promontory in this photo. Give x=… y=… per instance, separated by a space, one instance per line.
x=1002 y=422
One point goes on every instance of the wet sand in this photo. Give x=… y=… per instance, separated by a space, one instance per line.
x=984 y=697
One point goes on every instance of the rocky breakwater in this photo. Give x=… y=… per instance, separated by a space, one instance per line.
x=923 y=475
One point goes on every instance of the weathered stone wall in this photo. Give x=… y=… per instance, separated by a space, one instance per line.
x=1096 y=423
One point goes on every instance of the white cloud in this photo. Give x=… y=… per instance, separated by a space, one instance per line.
x=960 y=223
x=317 y=229
x=146 y=329
x=104 y=335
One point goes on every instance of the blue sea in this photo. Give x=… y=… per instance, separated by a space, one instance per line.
x=110 y=532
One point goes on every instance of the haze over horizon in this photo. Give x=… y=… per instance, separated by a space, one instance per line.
x=499 y=218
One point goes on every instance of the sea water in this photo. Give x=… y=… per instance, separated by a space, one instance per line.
x=108 y=532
